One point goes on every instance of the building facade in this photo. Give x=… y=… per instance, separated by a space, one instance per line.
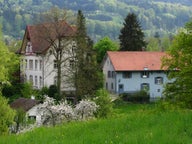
x=128 y=72
x=38 y=54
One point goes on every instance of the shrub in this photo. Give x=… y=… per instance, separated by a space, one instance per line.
x=139 y=96
x=104 y=102
x=39 y=94
x=52 y=92
x=20 y=120
x=6 y=116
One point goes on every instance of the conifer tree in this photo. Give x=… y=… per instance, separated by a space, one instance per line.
x=87 y=79
x=131 y=36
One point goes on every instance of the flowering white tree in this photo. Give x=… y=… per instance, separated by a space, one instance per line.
x=85 y=109
x=52 y=113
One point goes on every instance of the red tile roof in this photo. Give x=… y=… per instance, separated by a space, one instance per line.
x=136 y=61
x=41 y=34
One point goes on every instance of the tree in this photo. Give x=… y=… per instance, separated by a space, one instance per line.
x=7 y=116
x=131 y=36
x=178 y=61
x=9 y=63
x=59 y=35
x=87 y=77
x=104 y=45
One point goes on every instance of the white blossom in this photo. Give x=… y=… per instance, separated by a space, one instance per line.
x=85 y=109
x=52 y=113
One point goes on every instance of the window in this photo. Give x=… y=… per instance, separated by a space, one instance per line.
x=31 y=79
x=145 y=74
x=36 y=80
x=30 y=64
x=127 y=74
x=40 y=65
x=158 y=80
x=40 y=81
x=113 y=74
x=55 y=64
x=25 y=78
x=28 y=47
x=26 y=63
x=36 y=64
x=111 y=85
x=109 y=74
x=145 y=86
x=55 y=80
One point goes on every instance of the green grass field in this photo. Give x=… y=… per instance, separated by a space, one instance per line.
x=130 y=124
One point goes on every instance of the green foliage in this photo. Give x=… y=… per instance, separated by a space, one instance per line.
x=158 y=43
x=20 y=119
x=104 y=45
x=179 y=65
x=27 y=90
x=87 y=77
x=40 y=94
x=6 y=116
x=8 y=63
x=15 y=90
x=104 y=102
x=139 y=96
x=52 y=92
x=131 y=36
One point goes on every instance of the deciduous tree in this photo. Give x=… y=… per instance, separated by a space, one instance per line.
x=104 y=45
x=179 y=64
x=60 y=36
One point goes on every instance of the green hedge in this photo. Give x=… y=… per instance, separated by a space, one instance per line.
x=138 y=97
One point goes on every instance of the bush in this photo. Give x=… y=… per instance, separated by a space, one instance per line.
x=52 y=92
x=40 y=94
x=20 y=120
x=139 y=96
x=6 y=116
x=104 y=102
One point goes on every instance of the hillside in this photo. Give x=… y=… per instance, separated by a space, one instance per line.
x=104 y=18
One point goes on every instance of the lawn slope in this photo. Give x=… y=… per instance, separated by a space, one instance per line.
x=130 y=124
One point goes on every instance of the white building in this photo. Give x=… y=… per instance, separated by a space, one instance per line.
x=128 y=72
x=38 y=63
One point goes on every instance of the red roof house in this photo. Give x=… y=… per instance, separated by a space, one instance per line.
x=131 y=71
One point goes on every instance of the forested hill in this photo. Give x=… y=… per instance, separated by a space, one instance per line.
x=104 y=17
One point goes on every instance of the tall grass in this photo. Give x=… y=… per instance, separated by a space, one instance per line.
x=131 y=124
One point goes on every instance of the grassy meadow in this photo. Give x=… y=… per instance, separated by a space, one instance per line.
x=129 y=124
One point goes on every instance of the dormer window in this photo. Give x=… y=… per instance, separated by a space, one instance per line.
x=145 y=74
x=29 y=47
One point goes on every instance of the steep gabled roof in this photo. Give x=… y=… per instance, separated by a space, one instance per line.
x=24 y=103
x=136 y=61
x=42 y=35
